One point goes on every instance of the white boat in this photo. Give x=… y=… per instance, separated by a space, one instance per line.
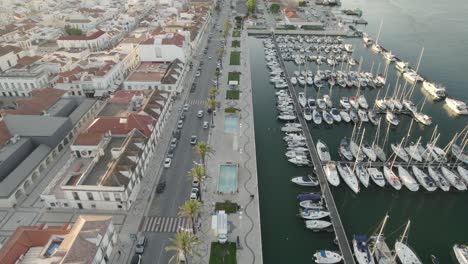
x=301 y=80
x=363 y=115
x=405 y=254
x=316 y=117
x=409 y=105
x=366 y=39
x=413 y=151
x=361 y=250
x=335 y=114
x=388 y=55
x=373 y=118
x=412 y=76
x=313 y=214
x=456 y=106
x=317 y=225
x=345 y=150
x=298 y=125
x=461 y=253
x=302 y=99
x=327 y=257
x=293 y=80
x=460 y=154
x=376 y=48
x=348 y=47
x=453 y=178
x=425 y=154
x=345 y=116
x=392 y=118
x=353 y=102
x=435 y=90
x=439 y=179
x=357 y=153
x=327 y=100
x=307 y=113
x=331 y=173
x=293 y=153
x=322 y=151
x=369 y=151
x=348 y=176
x=344 y=102
x=321 y=103
x=363 y=102
x=424 y=179
x=463 y=173
x=290 y=129
x=407 y=179
x=305 y=180
x=376 y=176
x=300 y=161
x=379 y=152
x=362 y=175
x=380 y=103
x=391 y=178
x=311 y=103
x=437 y=153
x=422 y=118
x=400 y=152
x=310 y=204
x=401 y=66
x=287 y=117
x=327 y=117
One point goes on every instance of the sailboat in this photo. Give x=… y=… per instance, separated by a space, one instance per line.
x=379 y=153
x=453 y=178
x=302 y=99
x=425 y=180
x=362 y=174
x=463 y=173
x=380 y=249
x=361 y=250
x=348 y=176
x=411 y=75
x=376 y=176
x=405 y=254
x=458 y=152
x=391 y=178
x=400 y=151
x=407 y=179
x=345 y=150
x=369 y=151
x=376 y=47
x=331 y=173
x=439 y=179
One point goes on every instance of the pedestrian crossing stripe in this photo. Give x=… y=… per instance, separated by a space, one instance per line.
x=164 y=224
x=196 y=102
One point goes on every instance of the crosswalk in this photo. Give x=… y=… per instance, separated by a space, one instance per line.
x=164 y=224
x=196 y=102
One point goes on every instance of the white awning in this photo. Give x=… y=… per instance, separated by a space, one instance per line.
x=233 y=83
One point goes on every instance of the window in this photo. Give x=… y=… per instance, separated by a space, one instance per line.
x=106 y=196
x=117 y=197
x=90 y=196
x=75 y=196
x=119 y=206
x=52 y=204
x=65 y=204
x=93 y=206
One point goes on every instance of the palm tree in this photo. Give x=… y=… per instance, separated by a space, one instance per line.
x=197 y=173
x=211 y=103
x=190 y=209
x=204 y=150
x=212 y=92
x=183 y=245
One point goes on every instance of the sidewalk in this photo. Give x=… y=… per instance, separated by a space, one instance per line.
x=236 y=148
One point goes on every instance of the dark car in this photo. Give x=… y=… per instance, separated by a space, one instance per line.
x=136 y=259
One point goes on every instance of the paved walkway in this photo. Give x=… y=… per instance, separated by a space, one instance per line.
x=235 y=148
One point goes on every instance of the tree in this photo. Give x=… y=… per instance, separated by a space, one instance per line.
x=227 y=26
x=274 y=8
x=190 y=209
x=183 y=245
x=197 y=173
x=213 y=92
x=73 y=31
x=211 y=104
x=251 y=5
x=204 y=150
x=220 y=52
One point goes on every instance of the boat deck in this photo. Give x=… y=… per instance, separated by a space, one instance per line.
x=340 y=233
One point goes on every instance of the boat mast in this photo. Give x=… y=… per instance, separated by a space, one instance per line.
x=380 y=233
x=420 y=57
x=378 y=34
x=359 y=149
x=377 y=134
x=403 y=236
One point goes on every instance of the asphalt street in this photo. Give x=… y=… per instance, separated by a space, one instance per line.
x=178 y=186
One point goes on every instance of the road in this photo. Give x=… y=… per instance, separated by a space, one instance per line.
x=178 y=186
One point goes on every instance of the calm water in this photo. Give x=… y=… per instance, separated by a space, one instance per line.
x=439 y=219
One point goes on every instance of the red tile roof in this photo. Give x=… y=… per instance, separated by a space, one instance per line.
x=26 y=237
x=88 y=139
x=94 y=35
x=124 y=97
x=4 y=133
x=122 y=125
x=40 y=100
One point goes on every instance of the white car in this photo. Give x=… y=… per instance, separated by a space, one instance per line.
x=197 y=74
x=194 y=194
x=205 y=124
x=200 y=114
x=167 y=162
x=180 y=124
x=186 y=107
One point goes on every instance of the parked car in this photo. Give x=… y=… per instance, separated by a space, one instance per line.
x=182 y=116
x=180 y=124
x=193 y=140
x=200 y=114
x=205 y=124
x=136 y=259
x=194 y=194
x=197 y=74
x=195 y=184
x=170 y=153
x=186 y=106
x=167 y=162
x=140 y=246
x=173 y=143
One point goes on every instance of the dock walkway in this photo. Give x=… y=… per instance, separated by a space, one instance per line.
x=325 y=188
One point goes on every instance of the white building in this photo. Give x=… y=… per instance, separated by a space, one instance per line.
x=21 y=82
x=9 y=56
x=97 y=40
x=165 y=47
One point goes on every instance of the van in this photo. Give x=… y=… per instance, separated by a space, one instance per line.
x=140 y=246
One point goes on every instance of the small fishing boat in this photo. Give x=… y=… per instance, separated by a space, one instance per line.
x=327 y=257
x=317 y=225
x=316 y=117
x=313 y=214
x=345 y=116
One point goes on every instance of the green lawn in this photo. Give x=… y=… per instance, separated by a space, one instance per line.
x=236 y=34
x=232 y=94
x=227 y=206
x=231 y=110
x=223 y=253
x=235 y=44
x=234 y=76
x=235 y=58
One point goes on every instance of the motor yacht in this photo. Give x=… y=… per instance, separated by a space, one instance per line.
x=327 y=117
x=307 y=113
x=361 y=250
x=331 y=173
x=345 y=116
x=307 y=180
x=422 y=118
x=317 y=225
x=456 y=106
x=327 y=257
x=376 y=176
x=344 y=101
x=316 y=117
x=322 y=150
x=313 y=214
x=335 y=114
x=436 y=91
